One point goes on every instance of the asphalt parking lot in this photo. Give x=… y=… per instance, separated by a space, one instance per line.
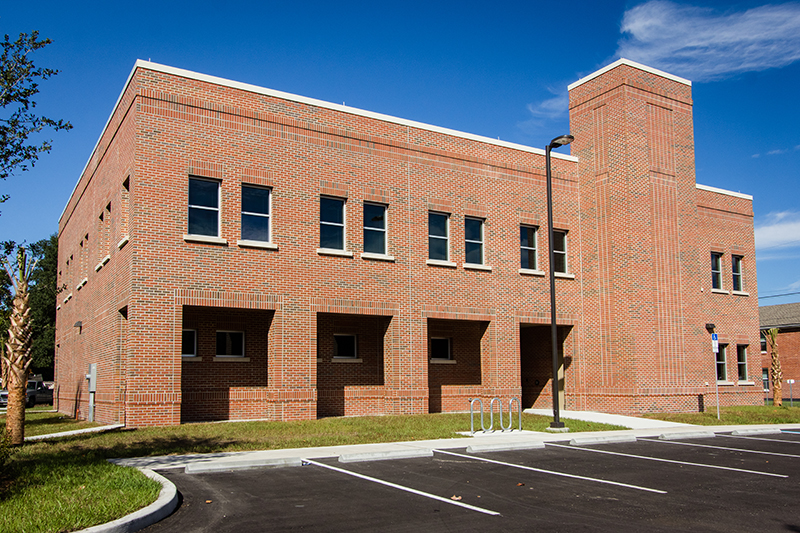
x=725 y=483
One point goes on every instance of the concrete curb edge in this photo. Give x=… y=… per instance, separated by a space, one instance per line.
x=164 y=505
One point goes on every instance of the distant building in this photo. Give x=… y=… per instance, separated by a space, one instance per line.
x=235 y=252
x=785 y=317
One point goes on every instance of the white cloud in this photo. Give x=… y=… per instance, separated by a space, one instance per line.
x=776 y=152
x=703 y=44
x=779 y=230
x=794 y=286
x=545 y=112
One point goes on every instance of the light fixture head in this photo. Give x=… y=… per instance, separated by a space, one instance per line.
x=561 y=141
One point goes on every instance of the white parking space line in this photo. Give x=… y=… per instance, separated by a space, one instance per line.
x=719 y=447
x=666 y=460
x=403 y=488
x=553 y=472
x=757 y=438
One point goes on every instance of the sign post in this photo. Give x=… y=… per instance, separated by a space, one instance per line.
x=715 y=349
x=791 y=396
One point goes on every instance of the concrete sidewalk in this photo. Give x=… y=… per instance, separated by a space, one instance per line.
x=631 y=422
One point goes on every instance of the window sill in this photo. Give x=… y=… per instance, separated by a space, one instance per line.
x=190 y=358
x=231 y=359
x=564 y=275
x=749 y=383
x=440 y=263
x=377 y=257
x=719 y=291
x=530 y=272
x=347 y=360
x=442 y=361
x=740 y=293
x=205 y=239
x=726 y=383
x=473 y=266
x=257 y=244
x=334 y=251
x=125 y=240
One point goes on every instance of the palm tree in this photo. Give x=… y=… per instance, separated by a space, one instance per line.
x=17 y=357
x=775 y=369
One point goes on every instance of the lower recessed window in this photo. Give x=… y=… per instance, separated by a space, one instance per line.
x=230 y=343
x=345 y=346
x=722 y=374
x=440 y=348
x=741 y=361
x=189 y=342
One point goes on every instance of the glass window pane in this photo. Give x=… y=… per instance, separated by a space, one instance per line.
x=345 y=345
x=374 y=216
x=440 y=348
x=331 y=210
x=187 y=343
x=331 y=237
x=374 y=242
x=473 y=229
x=438 y=248
x=473 y=253
x=255 y=228
x=203 y=193
x=559 y=241
x=527 y=237
x=528 y=259
x=255 y=200
x=230 y=343
x=560 y=263
x=437 y=225
x=203 y=222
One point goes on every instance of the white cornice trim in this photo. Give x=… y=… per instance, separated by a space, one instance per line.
x=723 y=191
x=634 y=64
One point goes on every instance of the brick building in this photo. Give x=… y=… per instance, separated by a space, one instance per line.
x=235 y=252
x=785 y=317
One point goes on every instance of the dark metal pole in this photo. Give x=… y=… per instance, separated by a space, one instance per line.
x=556 y=423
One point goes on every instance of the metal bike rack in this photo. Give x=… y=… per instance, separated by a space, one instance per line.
x=503 y=427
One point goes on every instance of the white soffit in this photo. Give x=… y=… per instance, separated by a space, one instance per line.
x=633 y=64
x=724 y=191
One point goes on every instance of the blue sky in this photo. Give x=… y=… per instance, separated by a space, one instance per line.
x=498 y=71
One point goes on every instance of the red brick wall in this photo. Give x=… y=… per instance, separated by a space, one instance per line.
x=629 y=204
x=789 y=352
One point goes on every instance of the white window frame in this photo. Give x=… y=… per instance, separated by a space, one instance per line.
x=716 y=273
x=721 y=362
x=481 y=242
x=244 y=346
x=268 y=216
x=384 y=231
x=741 y=361
x=563 y=252
x=446 y=237
x=535 y=248
x=336 y=346
x=218 y=209
x=736 y=273
x=194 y=353
x=343 y=225
x=449 y=349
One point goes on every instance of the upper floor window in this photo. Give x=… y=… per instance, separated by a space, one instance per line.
x=375 y=228
x=736 y=267
x=716 y=270
x=473 y=241
x=438 y=236
x=763 y=341
x=203 y=207
x=560 y=251
x=255 y=213
x=331 y=223
x=527 y=247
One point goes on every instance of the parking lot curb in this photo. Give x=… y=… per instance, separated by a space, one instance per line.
x=687 y=435
x=227 y=466
x=757 y=431
x=383 y=455
x=166 y=502
x=605 y=439
x=505 y=447
x=98 y=429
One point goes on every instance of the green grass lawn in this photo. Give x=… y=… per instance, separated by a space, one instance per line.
x=67 y=484
x=740 y=414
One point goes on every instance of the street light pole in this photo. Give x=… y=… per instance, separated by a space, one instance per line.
x=555 y=143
